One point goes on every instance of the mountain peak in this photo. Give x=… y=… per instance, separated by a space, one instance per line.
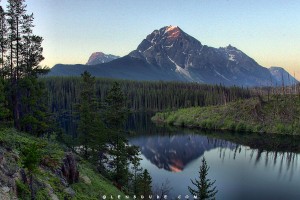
x=171 y=27
x=282 y=76
x=230 y=47
x=100 y=57
x=171 y=54
x=172 y=31
x=169 y=48
x=95 y=54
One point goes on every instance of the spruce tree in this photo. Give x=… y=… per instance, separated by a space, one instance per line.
x=145 y=181
x=90 y=127
x=136 y=173
x=115 y=108
x=121 y=174
x=34 y=118
x=115 y=114
x=205 y=189
x=31 y=160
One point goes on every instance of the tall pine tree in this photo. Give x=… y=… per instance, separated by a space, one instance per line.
x=23 y=53
x=3 y=40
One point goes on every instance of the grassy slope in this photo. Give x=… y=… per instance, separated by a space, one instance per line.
x=278 y=115
x=52 y=155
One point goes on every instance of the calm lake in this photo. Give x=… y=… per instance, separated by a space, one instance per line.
x=245 y=166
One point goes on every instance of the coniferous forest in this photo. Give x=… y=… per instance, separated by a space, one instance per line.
x=28 y=129
x=141 y=96
x=21 y=53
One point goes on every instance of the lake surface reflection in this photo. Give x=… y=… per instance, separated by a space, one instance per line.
x=245 y=166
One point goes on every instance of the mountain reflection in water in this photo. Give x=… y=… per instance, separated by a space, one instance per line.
x=174 y=152
x=238 y=167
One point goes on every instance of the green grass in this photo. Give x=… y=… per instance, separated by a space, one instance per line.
x=99 y=185
x=280 y=114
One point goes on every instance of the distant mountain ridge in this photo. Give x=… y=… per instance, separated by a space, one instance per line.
x=99 y=58
x=170 y=54
x=282 y=77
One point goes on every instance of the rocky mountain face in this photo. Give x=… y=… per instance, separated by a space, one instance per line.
x=99 y=58
x=173 y=49
x=170 y=54
x=282 y=77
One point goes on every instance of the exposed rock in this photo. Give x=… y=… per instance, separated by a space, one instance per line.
x=86 y=180
x=53 y=196
x=51 y=192
x=9 y=164
x=62 y=178
x=8 y=172
x=5 y=189
x=5 y=194
x=69 y=168
x=70 y=191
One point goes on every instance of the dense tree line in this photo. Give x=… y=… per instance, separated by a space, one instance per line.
x=64 y=93
x=22 y=93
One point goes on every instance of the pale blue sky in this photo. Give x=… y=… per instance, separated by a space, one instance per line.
x=268 y=31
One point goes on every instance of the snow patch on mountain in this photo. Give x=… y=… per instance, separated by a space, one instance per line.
x=181 y=70
x=148 y=48
x=170 y=46
x=231 y=57
x=221 y=75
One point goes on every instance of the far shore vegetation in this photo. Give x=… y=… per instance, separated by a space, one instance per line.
x=277 y=114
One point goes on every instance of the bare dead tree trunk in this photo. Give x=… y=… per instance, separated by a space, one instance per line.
x=282 y=82
x=31 y=186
